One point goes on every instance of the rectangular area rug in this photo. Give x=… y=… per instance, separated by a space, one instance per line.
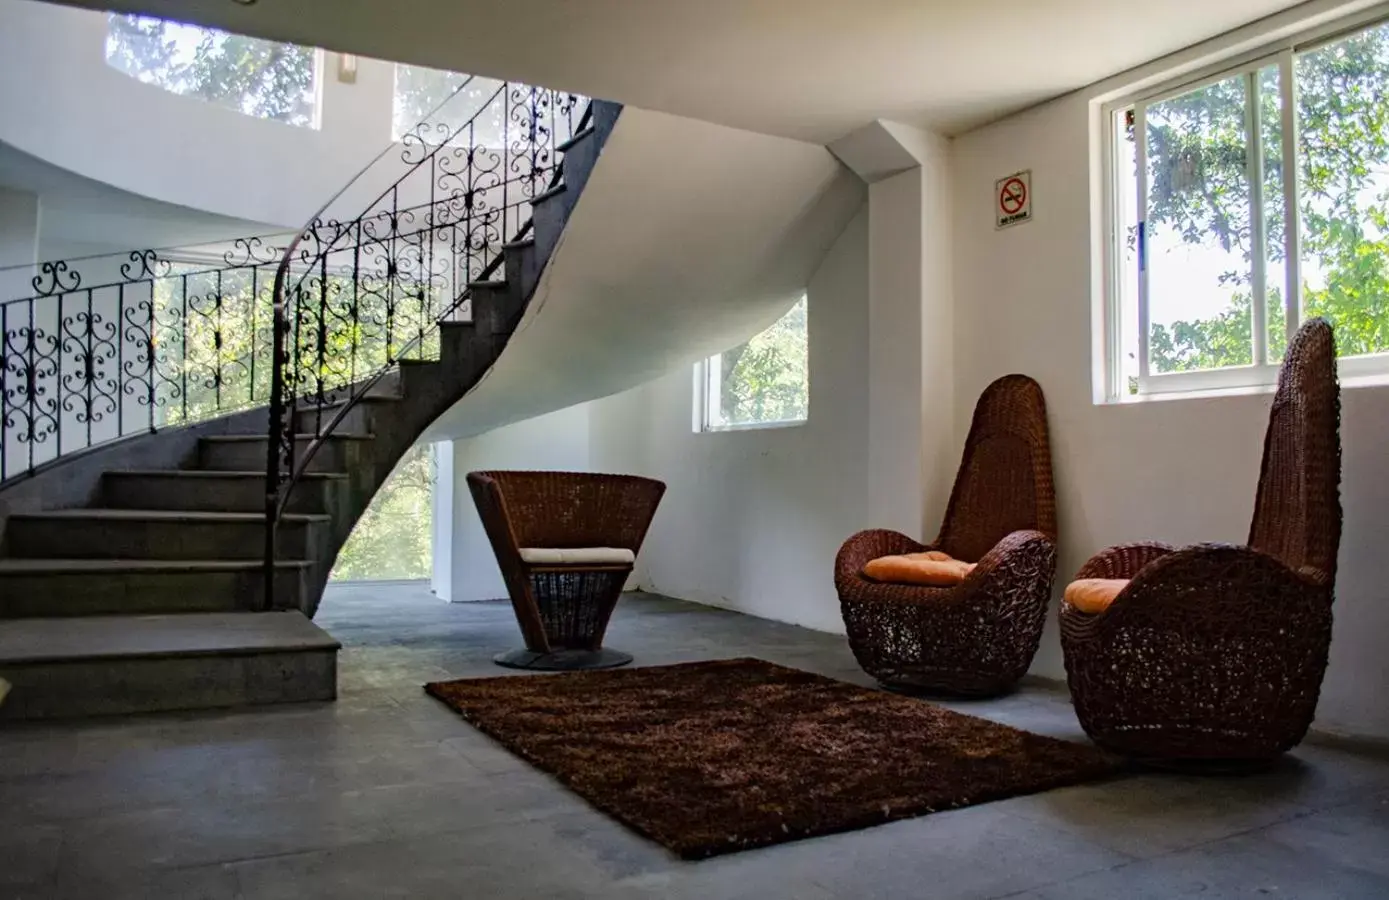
x=714 y=757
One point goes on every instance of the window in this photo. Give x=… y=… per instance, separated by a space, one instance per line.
x=419 y=92
x=764 y=382
x=1244 y=203
x=392 y=541
x=256 y=77
x=445 y=102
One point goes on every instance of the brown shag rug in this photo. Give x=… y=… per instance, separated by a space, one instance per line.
x=715 y=757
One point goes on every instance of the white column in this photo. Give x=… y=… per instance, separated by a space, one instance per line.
x=912 y=445
x=441 y=579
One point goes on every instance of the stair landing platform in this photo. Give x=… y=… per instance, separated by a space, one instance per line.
x=108 y=665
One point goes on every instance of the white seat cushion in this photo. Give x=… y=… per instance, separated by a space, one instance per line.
x=578 y=556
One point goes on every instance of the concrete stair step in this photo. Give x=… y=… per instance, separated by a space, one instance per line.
x=313 y=418
x=108 y=665
x=156 y=534
x=213 y=490
x=94 y=587
x=247 y=452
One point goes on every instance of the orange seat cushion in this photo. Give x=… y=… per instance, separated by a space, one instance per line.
x=1093 y=595
x=932 y=568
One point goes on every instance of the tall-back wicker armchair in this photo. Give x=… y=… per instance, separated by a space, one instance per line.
x=977 y=637
x=1216 y=652
x=566 y=543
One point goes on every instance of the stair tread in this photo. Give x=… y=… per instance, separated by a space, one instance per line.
x=499 y=285
x=552 y=192
x=216 y=473
x=344 y=435
x=176 y=515
x=25 y=566
x=154 y=636
x=564 y=146
x=519 y=245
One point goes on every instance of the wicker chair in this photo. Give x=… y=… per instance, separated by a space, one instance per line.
x=563 y=607
x=979 y=637
x=1213 y=655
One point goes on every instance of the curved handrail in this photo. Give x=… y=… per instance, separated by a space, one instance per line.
x=471 y=221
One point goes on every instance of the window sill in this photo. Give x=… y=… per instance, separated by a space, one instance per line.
x=1348 y=382
x=753 y=426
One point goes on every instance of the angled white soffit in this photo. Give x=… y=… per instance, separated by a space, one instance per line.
x=688 y=239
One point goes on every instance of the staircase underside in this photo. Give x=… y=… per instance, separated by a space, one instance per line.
x=689 y=239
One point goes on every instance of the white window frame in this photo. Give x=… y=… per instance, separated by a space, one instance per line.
x=708 y=412
x=1262 y=373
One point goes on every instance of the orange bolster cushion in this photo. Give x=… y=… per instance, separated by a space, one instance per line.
x=1093 y=595
x=932 y=568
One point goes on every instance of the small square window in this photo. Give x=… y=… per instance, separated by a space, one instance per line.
x=761 y=384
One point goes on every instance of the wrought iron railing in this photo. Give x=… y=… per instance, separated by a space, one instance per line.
x=105 y=347
x=110 y=346
x=403 y=265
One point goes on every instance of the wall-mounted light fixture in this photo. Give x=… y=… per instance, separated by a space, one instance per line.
x=347 y=68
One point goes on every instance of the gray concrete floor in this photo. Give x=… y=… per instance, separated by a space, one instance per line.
x=386 y=793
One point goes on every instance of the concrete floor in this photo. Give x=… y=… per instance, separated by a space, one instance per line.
x=386 y=793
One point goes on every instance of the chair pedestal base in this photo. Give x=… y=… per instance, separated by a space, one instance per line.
x=562 y=660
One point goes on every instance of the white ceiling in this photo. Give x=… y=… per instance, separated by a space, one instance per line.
x=808 y=69
x=81 y=216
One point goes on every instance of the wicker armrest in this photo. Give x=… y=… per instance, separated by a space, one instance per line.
x=869 y=545
x=1218 y=587
x=1123 y=561
x=1005 y=554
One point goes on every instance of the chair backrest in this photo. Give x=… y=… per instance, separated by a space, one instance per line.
x=568 y=509
x=1004 y=483
x=1297 y=515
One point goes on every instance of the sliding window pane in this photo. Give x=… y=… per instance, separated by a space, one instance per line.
x=1126 y=212
x=1198 y=234
x=1343 y=160
x=1274 y=212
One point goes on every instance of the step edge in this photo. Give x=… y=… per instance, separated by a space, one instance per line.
x=345 y=435
x=215 y=473
x=54 y=566
x=124 y=514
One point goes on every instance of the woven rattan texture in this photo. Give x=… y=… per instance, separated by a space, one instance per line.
x=978 y=637
x=568 y=608
x=1217 y=652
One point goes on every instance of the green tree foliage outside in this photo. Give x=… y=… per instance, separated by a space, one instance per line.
x=253 y=76
x=768 y=378
x=1197 y=151
x=392 y=540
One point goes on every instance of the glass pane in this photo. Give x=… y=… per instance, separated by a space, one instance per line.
x=250 y=75
x=1126 y=211
x=1275 y=209
x=1343 y=157
x=767 y=379
x=1199 y=239
x=392 y=539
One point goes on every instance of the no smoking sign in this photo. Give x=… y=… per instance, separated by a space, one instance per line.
x=1013 y=199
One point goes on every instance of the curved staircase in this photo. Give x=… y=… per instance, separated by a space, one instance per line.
x=176 y=563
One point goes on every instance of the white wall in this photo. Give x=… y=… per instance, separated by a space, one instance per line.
x=63 y=104
x=464 y=566
x=1179 y=470
x=19 y=242
x=752 y=519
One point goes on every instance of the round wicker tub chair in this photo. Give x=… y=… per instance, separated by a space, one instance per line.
x=1212 y=656
x=566 y=543
x=976 y=638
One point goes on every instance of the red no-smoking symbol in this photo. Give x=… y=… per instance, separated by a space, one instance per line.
x=1012 y=196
